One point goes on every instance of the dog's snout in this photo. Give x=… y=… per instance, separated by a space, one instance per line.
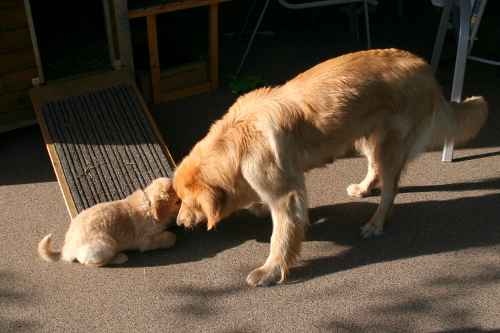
x=180 y=220
x=184 y=217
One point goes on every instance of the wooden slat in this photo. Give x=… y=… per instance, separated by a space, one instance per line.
x=74 y=87
x=171 y=7
x=155 y=128
x=54 y=158
x=180 y=93
x=12 y=18
x=14 y=40
x=16 y=119
x=213 y=44
x=183 y=76
x=64 y=88
x=15 y=101
x=16 y=81
x=10 y=3
x=154 y=58
x=16 y=61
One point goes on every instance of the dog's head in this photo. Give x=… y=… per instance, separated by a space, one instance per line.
x=163 y=200
x=202 y=200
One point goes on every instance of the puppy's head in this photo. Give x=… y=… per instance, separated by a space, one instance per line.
x=201 y=202
x=164 y=201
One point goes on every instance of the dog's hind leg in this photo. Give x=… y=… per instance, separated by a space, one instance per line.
x=368 y=148
x=96 y=253
x=390 y=156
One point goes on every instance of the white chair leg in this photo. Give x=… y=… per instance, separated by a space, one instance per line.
x=460 y=62
x=443 y=27
x=257 y=26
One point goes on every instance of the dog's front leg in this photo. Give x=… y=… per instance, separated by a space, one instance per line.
x=290 y=219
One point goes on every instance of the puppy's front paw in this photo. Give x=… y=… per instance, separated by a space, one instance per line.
x=370 y=230
x=357 y=191
x=265 y=276
x=119 y=259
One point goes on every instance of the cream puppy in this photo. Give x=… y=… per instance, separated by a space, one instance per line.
x=98 y=235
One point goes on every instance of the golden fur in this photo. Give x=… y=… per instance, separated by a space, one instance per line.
x=384 y=103
x=98 y=235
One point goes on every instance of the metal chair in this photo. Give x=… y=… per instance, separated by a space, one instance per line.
x=305 y=5
x=470 y=14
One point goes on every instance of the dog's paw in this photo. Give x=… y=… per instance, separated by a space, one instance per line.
x=265 y=276
x=357 y=191
x=370 y=230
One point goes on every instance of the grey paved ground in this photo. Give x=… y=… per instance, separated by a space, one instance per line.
x=436 y=269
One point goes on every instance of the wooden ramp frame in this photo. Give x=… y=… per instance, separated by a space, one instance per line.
x=102 y=140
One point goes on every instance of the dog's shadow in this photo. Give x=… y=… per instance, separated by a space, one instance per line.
x=414 y=229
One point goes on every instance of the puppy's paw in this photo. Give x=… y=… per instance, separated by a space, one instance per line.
x=119 y=259
x=167 y=239
x=370 y=230
x=265 y=276
x=357 y=191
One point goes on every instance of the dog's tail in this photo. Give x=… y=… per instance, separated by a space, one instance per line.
x=45 y=249
x=459 y=122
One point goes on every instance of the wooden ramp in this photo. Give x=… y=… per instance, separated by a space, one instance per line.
x=101 y=138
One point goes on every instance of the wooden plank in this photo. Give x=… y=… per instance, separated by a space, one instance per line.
x=181 y=93
x=12 y=18
x=14 y=40
x=213 y=44
x=34 y=40
x=74 y=87
x=123 y=34
x=171 y=7
x=16 y=119
x=16 y=61
x=10 y=3
x=155 y=128
x=54 y=159
x=14 y=102
x=183 y=76
x=16 y=81
x=154 y=58
x=59 y=89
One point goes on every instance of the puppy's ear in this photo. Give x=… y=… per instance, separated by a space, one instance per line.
x=164 y=201
x=164 y=209
x=213 y=203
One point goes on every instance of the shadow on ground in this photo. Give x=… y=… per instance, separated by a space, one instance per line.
x=12 y=299
x=415 y=229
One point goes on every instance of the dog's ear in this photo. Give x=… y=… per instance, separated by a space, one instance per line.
x=213 y=203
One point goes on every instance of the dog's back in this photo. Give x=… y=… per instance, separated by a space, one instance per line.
x=331 y=106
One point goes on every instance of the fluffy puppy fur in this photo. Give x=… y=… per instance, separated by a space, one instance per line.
x=98 y=235
x=384 y=103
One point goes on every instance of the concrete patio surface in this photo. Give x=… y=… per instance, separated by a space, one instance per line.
x=436 y=268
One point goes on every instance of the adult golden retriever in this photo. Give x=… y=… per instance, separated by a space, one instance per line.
x=385 y=103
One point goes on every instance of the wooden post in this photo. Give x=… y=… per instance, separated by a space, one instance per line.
x=124 y=37
x=154 y=58
x=34 y=41
x=213 y=44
